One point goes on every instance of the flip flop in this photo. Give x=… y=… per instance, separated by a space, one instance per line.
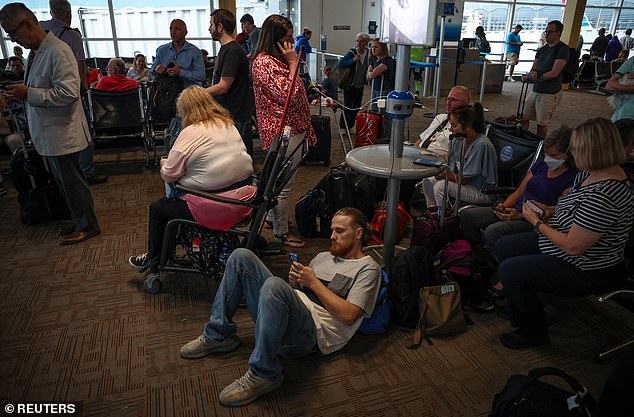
x=293 y=243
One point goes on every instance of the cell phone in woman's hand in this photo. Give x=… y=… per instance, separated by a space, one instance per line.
x=534 y=207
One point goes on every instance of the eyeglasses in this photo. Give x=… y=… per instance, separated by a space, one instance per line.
x=548 y=32
x=12 y=33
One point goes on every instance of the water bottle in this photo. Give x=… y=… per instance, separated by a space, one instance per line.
x=224 y=255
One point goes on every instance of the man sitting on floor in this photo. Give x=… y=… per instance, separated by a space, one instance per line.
x=321 y=306
x=116 y=79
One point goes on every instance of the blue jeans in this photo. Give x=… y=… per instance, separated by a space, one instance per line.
x=283 y=324
x=481 y=225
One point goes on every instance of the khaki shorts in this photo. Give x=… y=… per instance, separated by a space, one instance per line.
x=540 y=107
x=513 y=58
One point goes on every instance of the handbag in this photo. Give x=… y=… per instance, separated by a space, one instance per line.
x=377 y=225
x=527 y=396
x=345 y=76
x=440 y=313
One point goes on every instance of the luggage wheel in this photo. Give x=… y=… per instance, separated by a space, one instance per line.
x=152 y=283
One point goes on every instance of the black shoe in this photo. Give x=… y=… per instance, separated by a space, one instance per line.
x=97 y=179
x=480 y=306
x=142 y=262
x=518 y=340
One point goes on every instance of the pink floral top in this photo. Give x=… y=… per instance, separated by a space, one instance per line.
x=271 y=83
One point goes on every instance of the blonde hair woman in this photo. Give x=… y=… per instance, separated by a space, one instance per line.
x=208 y=155
x=580 y=249
x=381 y=70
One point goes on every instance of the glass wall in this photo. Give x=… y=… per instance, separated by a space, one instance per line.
x=139 y=26
x=499 y=17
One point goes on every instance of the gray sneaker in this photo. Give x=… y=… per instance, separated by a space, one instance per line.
x=247 y=389
x=201 y=347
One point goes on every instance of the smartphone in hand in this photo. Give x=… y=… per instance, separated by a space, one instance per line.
x=294 y=258
x=534 y=207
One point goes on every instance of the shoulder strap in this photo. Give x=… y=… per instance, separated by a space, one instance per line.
x=439 y=128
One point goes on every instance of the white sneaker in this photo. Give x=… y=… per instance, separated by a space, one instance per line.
x=247 y=389
x=511 y=79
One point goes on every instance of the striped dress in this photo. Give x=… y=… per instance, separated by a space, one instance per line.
x=604 y=207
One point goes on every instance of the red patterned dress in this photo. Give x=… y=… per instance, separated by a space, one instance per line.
x=271 y=84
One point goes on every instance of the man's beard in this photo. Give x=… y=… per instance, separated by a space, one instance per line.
x=336 y=249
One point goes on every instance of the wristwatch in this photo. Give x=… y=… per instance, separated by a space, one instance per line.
x=536 y=226
x=540 y=76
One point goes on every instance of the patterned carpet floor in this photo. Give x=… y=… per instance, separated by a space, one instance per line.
x=76 y=325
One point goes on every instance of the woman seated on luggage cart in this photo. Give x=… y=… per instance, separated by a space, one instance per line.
x=580 y=249
x=208 y=155
x=480 y=162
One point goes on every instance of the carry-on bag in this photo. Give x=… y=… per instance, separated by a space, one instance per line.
x=321 y=151
x=39 y=198
x=368 y=126
x=521 y=103
x=528 y=396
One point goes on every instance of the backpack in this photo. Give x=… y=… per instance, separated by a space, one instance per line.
x=410 y=271
x=572 y=66
x=453 y=262
x=428 y=233
x=528 y=396
x=311 y=214
x=163 y=100
x=344 y=187
x=379 y=322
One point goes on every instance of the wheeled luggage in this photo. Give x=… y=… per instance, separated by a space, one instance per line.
x=368 y=128
x=40 y=199
x=321 y=151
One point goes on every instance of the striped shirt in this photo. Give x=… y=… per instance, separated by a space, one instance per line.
x=604 y=207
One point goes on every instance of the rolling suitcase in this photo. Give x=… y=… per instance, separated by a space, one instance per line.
x=368 y=126
x=39 y=198
x=321 y=151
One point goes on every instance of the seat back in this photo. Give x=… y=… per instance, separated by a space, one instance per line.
x=515 y=156
x=116 y=113
x=586 y=72
x=603 y=70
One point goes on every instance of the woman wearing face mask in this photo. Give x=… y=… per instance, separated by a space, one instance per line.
x=543 y=184
x=578 y=251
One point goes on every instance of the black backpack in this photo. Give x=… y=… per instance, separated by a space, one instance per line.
x=570 y=70
x=527 y=396
x=410 y=271
x=346 y=188
x=311 y=214
x=163 y=100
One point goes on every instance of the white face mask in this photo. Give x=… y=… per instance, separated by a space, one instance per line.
x=553 y=163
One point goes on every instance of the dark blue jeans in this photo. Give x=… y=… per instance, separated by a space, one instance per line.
x=525 y=272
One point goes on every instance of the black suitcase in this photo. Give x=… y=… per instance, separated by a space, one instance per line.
x=321 y=151
x=38 y=195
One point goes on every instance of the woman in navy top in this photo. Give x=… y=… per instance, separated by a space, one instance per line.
x=580 y=249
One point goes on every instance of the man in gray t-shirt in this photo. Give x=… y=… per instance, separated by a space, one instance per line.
x=546 y=72
x=320 y=307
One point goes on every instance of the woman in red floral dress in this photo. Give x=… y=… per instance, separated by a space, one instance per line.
x=273 y=71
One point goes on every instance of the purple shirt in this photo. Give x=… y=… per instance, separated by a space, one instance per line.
x=614 y=48
x=543 y=189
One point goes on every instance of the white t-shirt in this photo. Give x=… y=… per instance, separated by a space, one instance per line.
x=358 y=281
x=439 y=137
